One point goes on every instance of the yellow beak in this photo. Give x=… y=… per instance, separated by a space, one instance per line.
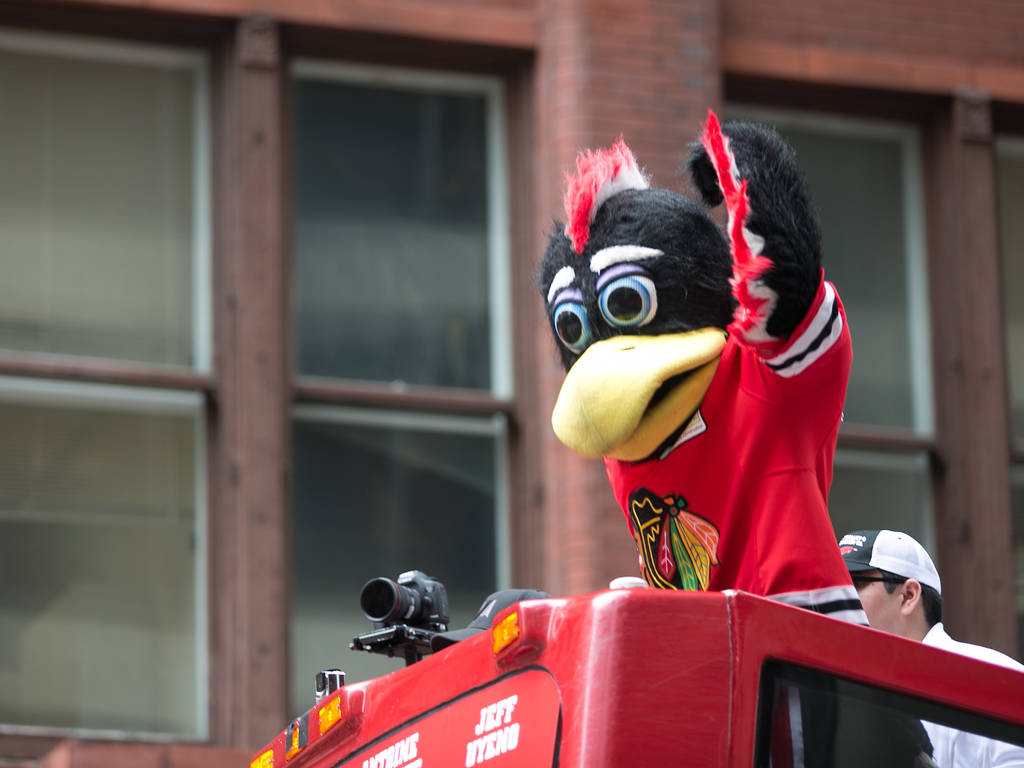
x=605 y=405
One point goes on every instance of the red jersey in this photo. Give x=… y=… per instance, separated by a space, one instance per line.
x=739 y=500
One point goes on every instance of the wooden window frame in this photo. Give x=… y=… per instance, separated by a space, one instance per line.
x=258 y=73
x=490 y=411
x=93 y=39
x=970 y=451
x=249 y=389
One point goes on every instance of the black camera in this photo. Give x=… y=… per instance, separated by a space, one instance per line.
x=406 y=615
x=415 y=599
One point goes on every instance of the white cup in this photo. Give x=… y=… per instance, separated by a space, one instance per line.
x=627 y=582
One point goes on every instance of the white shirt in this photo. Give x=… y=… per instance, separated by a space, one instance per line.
x=962 y=749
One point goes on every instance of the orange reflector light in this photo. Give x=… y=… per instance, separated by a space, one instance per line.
x=506 y=632
x=330 y=715
x=296 y=738
x=266 y=760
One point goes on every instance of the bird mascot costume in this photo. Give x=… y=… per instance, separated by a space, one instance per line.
x=707 y=369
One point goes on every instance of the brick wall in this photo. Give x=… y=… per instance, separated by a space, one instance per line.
x=987 y=30
x=909 y=45
x=585 y=72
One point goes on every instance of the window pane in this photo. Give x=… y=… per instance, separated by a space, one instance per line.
x=865 y=185
x=391 y=234
x=377 y=501
x=835 y=723
x=96 y=203
x=882 y=490
x=1010 y=177
x=98 y=562
x=858 y=188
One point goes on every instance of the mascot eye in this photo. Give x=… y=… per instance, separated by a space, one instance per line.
x=629 y=301
x=571 y=325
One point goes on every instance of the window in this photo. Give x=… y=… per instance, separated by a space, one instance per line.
x=101 y=513
x=883 y=490
x=835 y=722
x=399 y=230
x=105 y=256
x=399 y=291
x=865 y=181
x=379 y=493
x=103 y=202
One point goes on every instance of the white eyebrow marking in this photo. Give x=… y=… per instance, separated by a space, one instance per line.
x=563 y=279
x=616 y=254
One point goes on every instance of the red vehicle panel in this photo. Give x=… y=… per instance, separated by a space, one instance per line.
x=625 y=677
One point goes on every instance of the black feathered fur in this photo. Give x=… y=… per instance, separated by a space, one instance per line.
x=780 y=211
x=693 y=278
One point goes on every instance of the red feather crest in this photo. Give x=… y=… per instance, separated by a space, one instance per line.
x=748 y=264
x=599 y=175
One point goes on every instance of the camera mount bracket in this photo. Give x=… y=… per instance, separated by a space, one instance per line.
x=411 y=643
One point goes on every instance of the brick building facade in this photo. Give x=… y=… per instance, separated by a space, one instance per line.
x=568 y=74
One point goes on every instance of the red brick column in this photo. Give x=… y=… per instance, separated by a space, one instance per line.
x=647 y=70
x=251 y=499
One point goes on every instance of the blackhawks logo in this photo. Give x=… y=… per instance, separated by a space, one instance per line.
x=676 y=546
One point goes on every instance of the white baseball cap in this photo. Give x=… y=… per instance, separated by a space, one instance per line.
x=889 y=551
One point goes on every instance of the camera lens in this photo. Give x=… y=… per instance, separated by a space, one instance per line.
x=383 y=600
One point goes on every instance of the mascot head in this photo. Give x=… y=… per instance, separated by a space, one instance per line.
x=636 y=285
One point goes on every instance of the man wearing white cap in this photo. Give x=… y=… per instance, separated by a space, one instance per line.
x=901 y=593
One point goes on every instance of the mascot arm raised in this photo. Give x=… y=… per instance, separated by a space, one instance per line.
x=772 y=228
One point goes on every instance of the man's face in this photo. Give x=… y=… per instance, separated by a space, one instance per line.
x=884 y=610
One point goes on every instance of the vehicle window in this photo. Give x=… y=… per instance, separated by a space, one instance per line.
x=816 y=720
